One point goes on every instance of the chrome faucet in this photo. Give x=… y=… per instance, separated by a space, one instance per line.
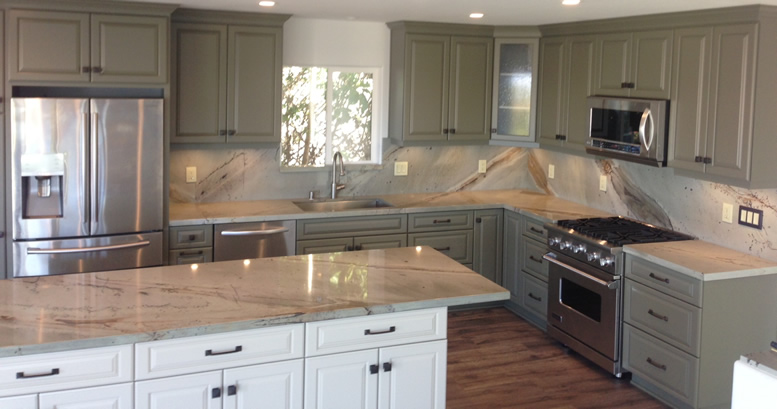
x=335 y=185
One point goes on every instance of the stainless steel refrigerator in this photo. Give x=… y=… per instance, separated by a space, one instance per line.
x=87 y=184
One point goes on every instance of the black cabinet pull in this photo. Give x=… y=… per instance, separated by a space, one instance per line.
x=97 y=70
x=86 y=70
x=453 y=130
x=348 y=248
x=373 y=369
x=698 y=159
x=387 y=367
x=494 y=130
x=371 y=332
x=707 y=160
x=478 y=220
x=223 y=132
x=624 y=84
x=215 y=393
x=22 y=375
x=535 y=230
x=358 y=247
x=232 y=390
x=438 y=221
x=536 y=260
x=534 y=297
x=561 y=137
x=656 y=364
x=231 y=132
x=192 y=237
x=662 y=279
x=659 y=316
x=442 y=248
x=236 y=350
x=445 y=131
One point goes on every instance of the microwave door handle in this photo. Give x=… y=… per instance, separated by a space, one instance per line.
x=647 y=116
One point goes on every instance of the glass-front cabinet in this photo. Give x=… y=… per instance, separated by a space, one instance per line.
x=515 y=91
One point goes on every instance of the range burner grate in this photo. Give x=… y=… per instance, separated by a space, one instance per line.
x=618 y=231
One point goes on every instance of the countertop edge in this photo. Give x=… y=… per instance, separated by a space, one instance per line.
x=717 y=276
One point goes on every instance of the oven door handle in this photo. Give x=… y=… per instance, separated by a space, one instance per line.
x=612 y=285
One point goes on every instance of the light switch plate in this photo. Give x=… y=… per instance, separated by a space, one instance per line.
x=603 y=183
x=482 y=165
x=751 y=217
x=191 y=174
x=728 y=213
x=551 y=171
x=400 y=168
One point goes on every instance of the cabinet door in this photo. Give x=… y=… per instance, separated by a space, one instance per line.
x=415 y=376
x=579 y=75
x=48 y=46
x=470 y=89
x=514 y=95
x=651 y=64
x=20 y=402
x=342 y=381
x=389 y=241
x=104 y=397
x=324 y=245
x=198 y=391
x=254 y=84
x=454 y=244
x=690 y=88
x=613 y=64
x=276 y=386
x=129 y=49
x=487 y=253
x=511 y=253
x=426 y=89
x=533 y=298
x=732 y=78
x=552 y=89
x=199 y=109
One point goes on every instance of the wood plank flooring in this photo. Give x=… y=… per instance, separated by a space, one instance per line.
x=498 y=360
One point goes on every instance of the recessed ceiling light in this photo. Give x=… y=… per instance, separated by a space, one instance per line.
x=268 y=3
x=570 y=2
x=476 y=15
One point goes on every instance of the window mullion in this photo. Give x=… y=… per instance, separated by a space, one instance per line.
x=329 y=126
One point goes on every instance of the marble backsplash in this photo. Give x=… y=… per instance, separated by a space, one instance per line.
x=652 y=195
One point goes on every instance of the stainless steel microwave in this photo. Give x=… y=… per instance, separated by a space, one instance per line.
x=629 y=129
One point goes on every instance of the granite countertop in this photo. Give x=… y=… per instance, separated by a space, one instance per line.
x=65 y=312
x=702 y=260
x=539 y=205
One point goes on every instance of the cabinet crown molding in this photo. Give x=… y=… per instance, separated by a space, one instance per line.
x=418 y=27
x=184 y=15
x=93 y=6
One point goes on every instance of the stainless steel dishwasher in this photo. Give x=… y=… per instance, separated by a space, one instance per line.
x=239 y=241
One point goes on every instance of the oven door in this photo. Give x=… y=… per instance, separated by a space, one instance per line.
x=584 y=304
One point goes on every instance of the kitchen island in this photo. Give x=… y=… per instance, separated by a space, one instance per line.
x=298 y=310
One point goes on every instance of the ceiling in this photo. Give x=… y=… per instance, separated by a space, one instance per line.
x=497 y=12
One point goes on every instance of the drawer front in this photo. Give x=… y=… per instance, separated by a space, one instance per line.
x=439 y=221
x=454 y=244
x=111 y=396
x=375 y=331
x=668 y=368
x=65 y=370
x=218 y=351
x=667 y=318
x=533 y=295
x=534 y=229
x=532 y=261
x=351 y=226
x=324 y=245
x=20 y=402
x=190 y=256
x=186 y=237
x=665 y=280
x=388 y=241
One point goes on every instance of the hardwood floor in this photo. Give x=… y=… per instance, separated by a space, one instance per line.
x=498 y=360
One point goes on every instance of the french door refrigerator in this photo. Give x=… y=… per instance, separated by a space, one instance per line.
x=87 y=184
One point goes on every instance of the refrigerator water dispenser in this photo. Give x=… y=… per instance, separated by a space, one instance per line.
x=42 y=178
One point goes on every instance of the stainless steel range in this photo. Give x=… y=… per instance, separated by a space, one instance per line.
x=585 y=285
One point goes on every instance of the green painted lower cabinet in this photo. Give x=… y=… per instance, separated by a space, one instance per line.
x=525 y=272
x=682 y=335
x=336 y=234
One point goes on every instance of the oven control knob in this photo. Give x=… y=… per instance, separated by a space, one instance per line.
x=565 y=245
x=580 y=248
x=554 y=240
x=606 y=261
x=592 y=256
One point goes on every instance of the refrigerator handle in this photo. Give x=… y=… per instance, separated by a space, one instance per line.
x=36 y=250
x=85 y=170
x=94 y=174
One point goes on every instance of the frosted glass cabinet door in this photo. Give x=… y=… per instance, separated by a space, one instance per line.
x=515 y=89
x=103 y=397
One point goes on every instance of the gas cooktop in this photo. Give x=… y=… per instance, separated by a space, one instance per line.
x=618 y=231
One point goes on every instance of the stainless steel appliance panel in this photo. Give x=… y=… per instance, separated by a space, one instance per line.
x=126 y=173
x=49 y=168
x=49 y=257
x=239 y=241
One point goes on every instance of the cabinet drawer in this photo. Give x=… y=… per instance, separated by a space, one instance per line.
x=111 y=396
x=668 y=368
x=324 y=245
x=663 y=279
x=533 y=295
x=190 y=256
x=218 y=351
x=186 y=237
x=388 y=241
x=534 y=229
x=350 y=334
x=667 y=318
x=351 y=226
x=65 y=370
x=454 y=244
x=532 y=261
x=440 y=221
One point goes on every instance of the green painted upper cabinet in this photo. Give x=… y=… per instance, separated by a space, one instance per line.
x=440 y=83
x=636 y=65
x=227 y=83
x=83 y=47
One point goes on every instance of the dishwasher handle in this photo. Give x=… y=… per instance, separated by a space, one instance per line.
x=263 y=232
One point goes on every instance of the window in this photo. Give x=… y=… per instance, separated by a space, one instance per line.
x=326 y=110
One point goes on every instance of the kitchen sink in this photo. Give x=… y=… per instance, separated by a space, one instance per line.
x=338 y=205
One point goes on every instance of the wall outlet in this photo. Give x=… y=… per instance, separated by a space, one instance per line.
x=400 y=168
x=191 y=174
x=751 y=217
x=603 y=183
x=728 y=213
x=551 y=171
x=482 y=165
